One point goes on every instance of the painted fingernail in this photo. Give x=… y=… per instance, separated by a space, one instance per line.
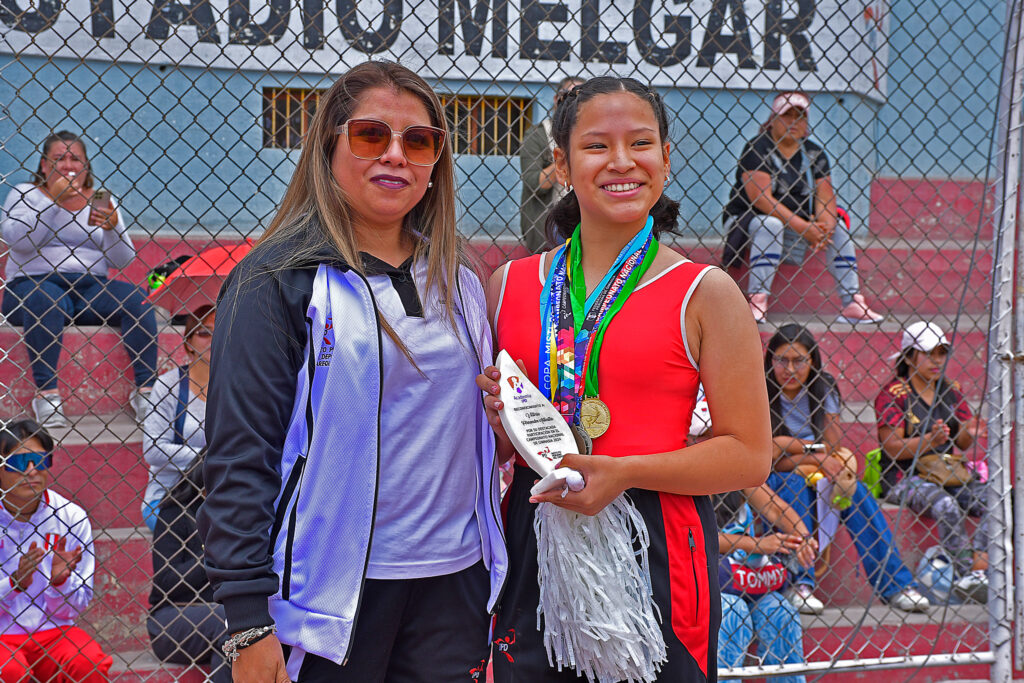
x=499 y=405
x=495 y=388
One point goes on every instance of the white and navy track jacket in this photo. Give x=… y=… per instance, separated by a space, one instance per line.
x=294 y=445
x=42 y=606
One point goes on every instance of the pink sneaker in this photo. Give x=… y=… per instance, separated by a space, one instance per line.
x=759 y=307
x=857 y=311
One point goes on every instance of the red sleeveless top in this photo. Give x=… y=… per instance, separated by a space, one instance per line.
x=646 y=374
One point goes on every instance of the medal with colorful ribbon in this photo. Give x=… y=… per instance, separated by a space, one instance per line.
x=573 y=326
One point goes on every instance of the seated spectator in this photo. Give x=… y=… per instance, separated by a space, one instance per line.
x=804 y=404
x=185 y=625
x=48 y=563
x=922 y=421
x=752 y=574
x=784 y=184
x=540 y=190
x=63 y=239
x=172 y=431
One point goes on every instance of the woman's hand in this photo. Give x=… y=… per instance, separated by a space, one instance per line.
x=261 y=662
x=64 y=562
x=807 y=551
x=831 y=466
x=487 y=382
x=938 y=435
x=27 y=565
x=604 y=482
x=103 y=216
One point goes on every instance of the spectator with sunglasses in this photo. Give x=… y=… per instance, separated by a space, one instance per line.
x=172 y=431
x=46 y=568
x=537 y=175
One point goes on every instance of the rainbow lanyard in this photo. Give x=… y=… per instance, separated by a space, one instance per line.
x=573 y=324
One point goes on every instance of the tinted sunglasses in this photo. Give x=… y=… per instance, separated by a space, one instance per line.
x=369 y=139
x=19 y=462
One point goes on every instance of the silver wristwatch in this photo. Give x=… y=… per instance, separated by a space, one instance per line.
x=242 y=640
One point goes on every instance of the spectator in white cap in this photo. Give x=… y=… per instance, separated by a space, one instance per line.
x=924 y=425
x=783 y=183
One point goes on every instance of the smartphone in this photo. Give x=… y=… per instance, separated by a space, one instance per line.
x=100 y=198
x=814 y=448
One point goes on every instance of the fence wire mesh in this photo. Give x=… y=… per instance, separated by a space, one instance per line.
x=191 y=116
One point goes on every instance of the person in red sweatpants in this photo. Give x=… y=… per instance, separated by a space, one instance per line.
x=46 y=569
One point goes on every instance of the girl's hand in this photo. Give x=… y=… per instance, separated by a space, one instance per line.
x=27 y=565
x=831 y=466
x=777 y=543
x=261 y=662
x=604 y=482
x=807 y=551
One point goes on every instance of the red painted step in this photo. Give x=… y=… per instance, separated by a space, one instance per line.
x=93 y=371
x=124 y=567
x=922 y=208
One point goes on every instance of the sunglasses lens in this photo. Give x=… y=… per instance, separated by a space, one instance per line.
x=368 y=139
x=19 y=462
x=422 y=144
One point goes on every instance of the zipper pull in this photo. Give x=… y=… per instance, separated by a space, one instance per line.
x=693 y=543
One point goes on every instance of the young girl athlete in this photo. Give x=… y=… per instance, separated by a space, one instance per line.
x=671 y=324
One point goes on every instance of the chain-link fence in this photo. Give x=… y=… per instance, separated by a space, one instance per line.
x=191 y=116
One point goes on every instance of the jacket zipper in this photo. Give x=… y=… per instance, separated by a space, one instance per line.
x=693 y=566
x=376 y=475
x=295 y=478
x=495 y=516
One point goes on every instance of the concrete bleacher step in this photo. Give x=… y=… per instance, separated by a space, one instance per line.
x=93 y=373
x=141 y=666
x=99 y=465
x=124 y=568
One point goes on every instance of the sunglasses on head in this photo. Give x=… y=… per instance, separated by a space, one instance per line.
x=369 y=139
x=19 y=462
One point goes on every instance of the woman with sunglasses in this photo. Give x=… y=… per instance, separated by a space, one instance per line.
x=675 y=324
x=46 y=568
x=352 y=492
x=805 y=405
x=173 y=433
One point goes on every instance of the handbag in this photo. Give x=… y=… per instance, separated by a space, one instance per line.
x=944 y=469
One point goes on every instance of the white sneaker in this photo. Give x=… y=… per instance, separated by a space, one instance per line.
x=973 y=586
x=759 y=307
x=802 y=597
x=141 y=405
x=909 y=600
x=858 y=311
x=49 y=411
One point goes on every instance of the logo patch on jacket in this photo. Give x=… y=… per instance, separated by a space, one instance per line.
x=323 y=359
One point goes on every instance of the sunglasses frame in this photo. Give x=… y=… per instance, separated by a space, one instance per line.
x=343 y=130
x=46 y=461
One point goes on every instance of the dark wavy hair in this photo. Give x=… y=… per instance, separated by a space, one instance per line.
x=819 y=383
x=39 y=178
x=16 y=432
x=564 y=216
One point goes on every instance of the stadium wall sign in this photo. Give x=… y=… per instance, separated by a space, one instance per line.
x=834 y=45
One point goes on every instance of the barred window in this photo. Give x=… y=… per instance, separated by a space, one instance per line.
x=286 y=115
x=481 y=125
x=485 y=125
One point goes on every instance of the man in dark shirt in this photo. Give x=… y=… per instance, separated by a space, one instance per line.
x=537 y=163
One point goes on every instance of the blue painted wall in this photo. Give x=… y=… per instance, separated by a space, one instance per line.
x=182 y=147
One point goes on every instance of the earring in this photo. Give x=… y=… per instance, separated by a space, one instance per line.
x=430 y=183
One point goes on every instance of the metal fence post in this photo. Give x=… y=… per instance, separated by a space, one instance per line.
x=1001 y=353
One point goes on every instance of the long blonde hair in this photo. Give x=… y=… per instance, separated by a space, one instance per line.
x=316 y=212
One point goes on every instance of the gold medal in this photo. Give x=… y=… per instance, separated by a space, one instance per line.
x=595 y=417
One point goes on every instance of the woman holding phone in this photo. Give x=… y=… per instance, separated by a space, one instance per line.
x=351 y=523
x=660 y=325
x=64 y=235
